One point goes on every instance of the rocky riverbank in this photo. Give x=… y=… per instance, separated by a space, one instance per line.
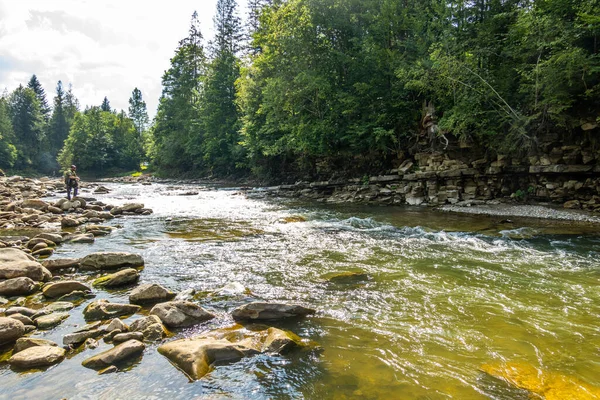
x=38 y=293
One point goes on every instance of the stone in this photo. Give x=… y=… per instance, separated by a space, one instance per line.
x=102 y=309
x=91 y=343
x=124 y=277
x=37 y=357
x=61 y=288
x=76 y=338
x=571 y=204
x=39 y=246
x=154 y=332
x=279 y=341
x=23 y=318
x=150 y=293
x=116 y=323
x=46 y=252
x=76 y=296
x=18 y=286
x=68 y=222
x=195 y=357
x=51 y=320
x=177 y=314
x=25 y=343
x=15 y=263
x=150 y=327
x=270 y=311
x=36 y=204
x=108 y=370
x=58 y=306
x=142 y=323
x=10 y=330
x=80 y=238
x=123 y=337
x=55 y=210
x=61 y=263
x=110 y=261
x=116 y=355
x=29 y=312
x=67 y=205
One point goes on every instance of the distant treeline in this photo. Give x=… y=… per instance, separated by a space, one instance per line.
x=311 y=88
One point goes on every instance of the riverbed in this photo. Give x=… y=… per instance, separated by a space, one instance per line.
x=437 y=297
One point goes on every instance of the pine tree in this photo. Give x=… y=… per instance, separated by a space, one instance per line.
x=28 y=124
x=40 y=93
x=105 y=106
x=138 y=112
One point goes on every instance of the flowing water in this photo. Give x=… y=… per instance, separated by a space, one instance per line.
x=438 y=296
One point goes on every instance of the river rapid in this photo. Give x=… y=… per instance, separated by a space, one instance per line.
x=440 y=296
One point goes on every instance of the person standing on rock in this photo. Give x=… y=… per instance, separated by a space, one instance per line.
x=71 y=181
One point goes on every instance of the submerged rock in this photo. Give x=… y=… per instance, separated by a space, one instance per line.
x=102 y=309
x=150 y=293
x=116 y=355
x=37 y=356
x=177 y=314
x=110 y=261
x=15 y=263
x=270 y=311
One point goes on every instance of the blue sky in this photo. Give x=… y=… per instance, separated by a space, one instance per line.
x=103 y=48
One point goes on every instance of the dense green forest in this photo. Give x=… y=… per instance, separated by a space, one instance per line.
x=314 y=88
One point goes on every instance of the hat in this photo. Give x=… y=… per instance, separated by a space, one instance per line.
x=73 y=167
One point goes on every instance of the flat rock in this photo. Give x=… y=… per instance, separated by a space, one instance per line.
x=80 y=238
x=61 y=288
x=280 y=341
x=25 y=343
x=123 y=337
x=37 y=356
x=177 y=314
x=124 y=277
x=29 y=312
x=10 y=330
x=53 y=237
x=270 y=311
x=61 y=263
x=51 y=320
x=102 y=309
x=80 y=337
x=116 y=355
x=23 y=318
x=110 y=261
x=15 y=263
x=21 y=286
x=150 y=293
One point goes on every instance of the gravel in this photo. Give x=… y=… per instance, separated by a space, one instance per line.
x=527 y=211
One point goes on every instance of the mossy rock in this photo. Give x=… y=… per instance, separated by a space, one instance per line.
x=349 y=277
x=292 y=219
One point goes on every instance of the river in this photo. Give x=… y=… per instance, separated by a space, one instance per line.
x=442 y=295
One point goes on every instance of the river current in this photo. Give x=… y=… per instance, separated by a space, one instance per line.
x=439 y=297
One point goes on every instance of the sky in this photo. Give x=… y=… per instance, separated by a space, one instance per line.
x=103 y=48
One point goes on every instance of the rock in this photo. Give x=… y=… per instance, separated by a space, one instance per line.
x=80 y=238
x=116 y=355
x=17 y=287
x=124 y=277
x=15 y=263
x=10 y=330
x=131 y=207
x=123 y=337
x=25 y=343
x=64 y=287
x=571 y=204
x=102 y=309
x=150 y=293
x=151 y=328
x=108 y=370
x=55 y=210
x=36 y=204
x=91 y=343
x=68 y=222
x=76 y=338
x=177 y=314
x=349 y=278
x=58 y=306
x=39 y=246
x=61 y=263
x=270 y=311
x=196 y=356
x=110 y=261
x=51 y=320
x=279 y=341
x=142 y=323
x=90 y=327
x=76 y=296
x=46 y=252
x=37 y=357
x=66 y=205
x=23 y=318
x=36 y=241
x=29 y=312
x=116 y=323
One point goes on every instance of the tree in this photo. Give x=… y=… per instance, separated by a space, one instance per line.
x=138 y=112
x=105 y=106
x=40 y=93
x=28 y=124
x=8 y=152
x=59 y=125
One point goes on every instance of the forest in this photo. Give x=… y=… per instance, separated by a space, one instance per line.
x=309 y=89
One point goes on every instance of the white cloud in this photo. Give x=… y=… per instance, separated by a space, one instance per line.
x=102 y=48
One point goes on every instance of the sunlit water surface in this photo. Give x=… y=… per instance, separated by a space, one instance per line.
x=444 y=295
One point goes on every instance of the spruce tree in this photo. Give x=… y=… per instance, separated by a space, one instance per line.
x=138 y=112
x=35 y=85
x=105 y=106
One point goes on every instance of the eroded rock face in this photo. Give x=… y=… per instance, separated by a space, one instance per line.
x=37 y=357
x=150 y=293
x=110 y=261
x=58 y=289
x=177 y=314
x=18 y=287
x=15 y=263
x=270 y=311
x=10 y=330
x=102 y=309
x=129 y=349
x=124 y=277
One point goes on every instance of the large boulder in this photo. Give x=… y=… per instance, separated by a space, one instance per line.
x=110 y=261
x=195 y=357
x=150 y=293
x=18 y=286
x=270 y=311
x=177 y=314
x=37 y=357
x=26 y=342
x=103 y=309
x=124 y=277
x=15 y=263
x=61 y=288
x=116 y=355
x=10 y=330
